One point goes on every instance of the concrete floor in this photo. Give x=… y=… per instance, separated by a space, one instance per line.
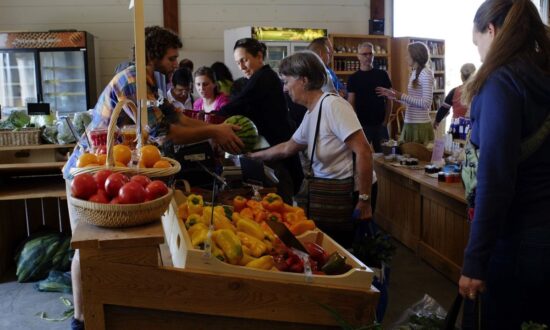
x=410 y=279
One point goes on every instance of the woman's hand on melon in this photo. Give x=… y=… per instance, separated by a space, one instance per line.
x=226 y=138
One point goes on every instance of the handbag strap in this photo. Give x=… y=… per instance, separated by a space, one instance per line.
x=316 y=134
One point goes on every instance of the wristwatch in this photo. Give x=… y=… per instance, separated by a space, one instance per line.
x=364 y=197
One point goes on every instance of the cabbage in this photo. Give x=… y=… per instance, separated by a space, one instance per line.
x=19 y=119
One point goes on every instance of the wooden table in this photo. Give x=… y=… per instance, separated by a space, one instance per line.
x=428 y=216
x=128 y=283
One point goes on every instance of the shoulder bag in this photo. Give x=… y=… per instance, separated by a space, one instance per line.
x=329 y=202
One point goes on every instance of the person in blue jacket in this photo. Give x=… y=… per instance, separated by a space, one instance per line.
x=507 y=259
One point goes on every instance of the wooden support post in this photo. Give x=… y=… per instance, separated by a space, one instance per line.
x=170 y=12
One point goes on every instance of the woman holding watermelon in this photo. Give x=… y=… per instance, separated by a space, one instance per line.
x=339 y=135
x=263 y=101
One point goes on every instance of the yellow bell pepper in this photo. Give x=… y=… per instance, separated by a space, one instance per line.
x=246 y=256
x=195 y=204
x=230 y=245
x=217 y=252
x=199 y=237
x=265 y=262
x=196 y=227
x=257 y=247
x=192 y=220
x=250 y=227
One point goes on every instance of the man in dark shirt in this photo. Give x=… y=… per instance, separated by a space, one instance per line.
x=373 y=111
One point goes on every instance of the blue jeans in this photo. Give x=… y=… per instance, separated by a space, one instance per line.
x=518 y=282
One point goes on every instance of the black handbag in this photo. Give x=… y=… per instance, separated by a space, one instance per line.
x=472 y=313
x=329 y=202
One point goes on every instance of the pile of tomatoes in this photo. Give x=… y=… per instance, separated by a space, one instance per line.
x=116 y=188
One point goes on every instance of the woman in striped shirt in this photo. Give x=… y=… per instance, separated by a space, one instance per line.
x=418 y=100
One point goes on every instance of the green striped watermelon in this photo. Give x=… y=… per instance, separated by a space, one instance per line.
x=248 y=132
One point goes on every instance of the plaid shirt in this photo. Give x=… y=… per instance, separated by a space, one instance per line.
x=122 y=87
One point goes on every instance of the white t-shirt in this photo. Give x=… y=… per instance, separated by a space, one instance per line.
x=177 y=104
x=333 y=159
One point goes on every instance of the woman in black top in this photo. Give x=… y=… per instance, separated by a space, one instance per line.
x=262 y=100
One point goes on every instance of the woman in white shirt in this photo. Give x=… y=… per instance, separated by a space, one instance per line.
x=340 y=133
x=418 y=100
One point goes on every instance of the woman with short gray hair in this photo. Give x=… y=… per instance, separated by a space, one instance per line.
x=331 y=124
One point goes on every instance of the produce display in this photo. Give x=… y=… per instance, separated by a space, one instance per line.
x=149 y=156
x=241 y=236
x=106 y=187
x=248 y=132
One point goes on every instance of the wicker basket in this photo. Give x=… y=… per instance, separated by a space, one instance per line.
x=109 y=163
x=21 y=137
x=119 y=215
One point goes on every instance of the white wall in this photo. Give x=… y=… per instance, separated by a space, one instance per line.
x=202 y=22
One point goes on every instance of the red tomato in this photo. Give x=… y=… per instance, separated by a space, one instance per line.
x=114 y=182
x=100 y=178
x=155 y=190
x=115 y=201
x=131 y=193
x=100 y=197
x=83 y=186
x=141 y=179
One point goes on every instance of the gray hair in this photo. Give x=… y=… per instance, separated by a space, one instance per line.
x=305 y=64
x=366 y=44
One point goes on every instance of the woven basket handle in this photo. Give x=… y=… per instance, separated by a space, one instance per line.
x=110 y=162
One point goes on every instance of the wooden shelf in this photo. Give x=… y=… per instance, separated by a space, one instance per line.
x=345 y=72
x=31 y=166
x=38 y=146
x=30 y=188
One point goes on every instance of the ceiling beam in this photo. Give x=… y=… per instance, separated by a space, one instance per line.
x=170 y=12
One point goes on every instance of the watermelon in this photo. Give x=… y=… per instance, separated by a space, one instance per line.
x=248 y=132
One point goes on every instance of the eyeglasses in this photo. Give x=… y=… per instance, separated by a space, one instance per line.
x=366 y=54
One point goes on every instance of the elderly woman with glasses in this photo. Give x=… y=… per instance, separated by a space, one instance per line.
x=339 y=134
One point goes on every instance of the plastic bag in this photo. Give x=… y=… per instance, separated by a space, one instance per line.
x=49 y=134
x=64 y=135
x=81 y=120
x=426 y=314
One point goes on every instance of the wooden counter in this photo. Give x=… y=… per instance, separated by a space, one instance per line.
x=128 y=283
x=428 y=216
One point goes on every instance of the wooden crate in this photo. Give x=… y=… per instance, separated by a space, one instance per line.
x=187 y=257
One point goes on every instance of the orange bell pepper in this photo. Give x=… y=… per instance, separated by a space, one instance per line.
x=247 y=213
x=239 y=203
x=259 y=215
x=302 y=226
x=253 y=204
x=273 y=202
x=274 y=216
x=293 y=218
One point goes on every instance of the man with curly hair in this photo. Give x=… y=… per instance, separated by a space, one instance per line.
x=164 y=122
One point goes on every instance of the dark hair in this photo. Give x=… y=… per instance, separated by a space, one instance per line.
x=182 y=77
x=519 y=34
x=420 y=55
x=221 y=71
x=158 y=40
x=187 y=64
x=318 y=44
x=305 y=64
x=206 y=71
x=252 y=46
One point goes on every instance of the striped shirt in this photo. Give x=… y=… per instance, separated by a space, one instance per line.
x=419 y=99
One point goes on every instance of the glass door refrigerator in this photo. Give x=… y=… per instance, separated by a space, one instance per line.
x=57 y=68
